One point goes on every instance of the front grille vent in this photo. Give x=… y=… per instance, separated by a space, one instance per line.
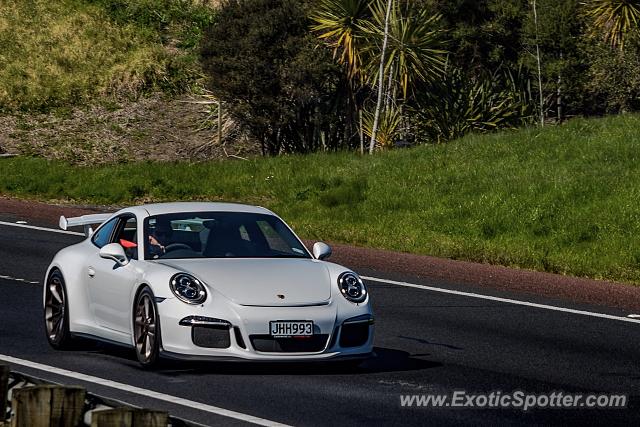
x=268 y=344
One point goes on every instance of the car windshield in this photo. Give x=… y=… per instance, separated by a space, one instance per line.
x=220 y=235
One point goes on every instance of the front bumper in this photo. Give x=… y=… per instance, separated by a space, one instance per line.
x=248 y=331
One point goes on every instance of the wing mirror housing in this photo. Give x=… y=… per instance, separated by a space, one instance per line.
x=321 y=250
x=115 y=252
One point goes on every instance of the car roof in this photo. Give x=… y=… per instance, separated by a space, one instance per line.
x=176 y=207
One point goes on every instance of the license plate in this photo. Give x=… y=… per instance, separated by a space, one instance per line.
x=291 y=328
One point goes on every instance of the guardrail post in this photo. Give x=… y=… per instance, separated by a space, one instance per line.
x=147 y=418
x=47 y=405
x=4 y=392
x=127 y=417
x=119 y=417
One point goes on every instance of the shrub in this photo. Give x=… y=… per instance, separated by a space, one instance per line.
x=280 y=86
x=460 y=104
x=613 y=83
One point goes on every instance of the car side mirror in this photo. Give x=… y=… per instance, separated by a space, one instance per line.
x=321 y=250
x=115 y=252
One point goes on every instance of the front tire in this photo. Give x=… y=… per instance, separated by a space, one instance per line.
x=146 y=328
x=56 y=312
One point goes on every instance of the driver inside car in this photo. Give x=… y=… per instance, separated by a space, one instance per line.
x=159 y=238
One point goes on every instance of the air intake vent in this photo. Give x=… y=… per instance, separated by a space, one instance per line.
x=268 y=344
x=211 y=336
x=354 y=334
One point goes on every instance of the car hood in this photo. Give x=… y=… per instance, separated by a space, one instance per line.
x=262 y=282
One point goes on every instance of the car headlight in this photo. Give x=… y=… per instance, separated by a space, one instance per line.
x=352 y=287
x=188 y=289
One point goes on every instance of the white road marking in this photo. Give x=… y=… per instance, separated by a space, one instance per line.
x=17 y=279
x=634 y=316
x=506 y=300
x=142 y=392
x=630 y=318
x=33 y=227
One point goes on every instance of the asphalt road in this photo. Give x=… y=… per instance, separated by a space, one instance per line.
x=426 y=343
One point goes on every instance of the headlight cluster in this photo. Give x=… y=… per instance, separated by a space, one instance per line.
x=188 y=289
x=352 y=287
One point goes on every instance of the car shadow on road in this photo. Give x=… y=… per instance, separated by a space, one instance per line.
x=383 y=360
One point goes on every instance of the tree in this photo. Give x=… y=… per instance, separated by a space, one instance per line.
x=383 y=51
x=279 y=85
x=340 y=24
x=613 y=20
x=415 y=51
x=484 y=34
x=553 y=55
x=411 y=55
x=612 y=54
x=386 y=46
x=612 y=81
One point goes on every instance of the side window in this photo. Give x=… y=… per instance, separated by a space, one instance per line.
x=103 y=235
x=127 y=230
x=127 y=236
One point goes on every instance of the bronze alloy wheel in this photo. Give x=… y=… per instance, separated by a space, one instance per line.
x=55 y=311
x=146 y=328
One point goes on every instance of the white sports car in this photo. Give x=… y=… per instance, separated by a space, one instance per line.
x=205 y=281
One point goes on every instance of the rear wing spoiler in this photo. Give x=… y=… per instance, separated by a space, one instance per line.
x=85 y=220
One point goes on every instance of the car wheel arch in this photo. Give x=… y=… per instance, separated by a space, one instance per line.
x=136 y=294
x=139 y=289
x=53 y=269
x=67 y=341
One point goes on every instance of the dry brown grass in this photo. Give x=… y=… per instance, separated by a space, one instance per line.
x=148 y=129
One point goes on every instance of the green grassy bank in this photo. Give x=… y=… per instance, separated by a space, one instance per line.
x=562 y=199
x=55 y=54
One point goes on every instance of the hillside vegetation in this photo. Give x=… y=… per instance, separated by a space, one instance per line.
x=105 y=81
x=66 y=52
x=562 y=199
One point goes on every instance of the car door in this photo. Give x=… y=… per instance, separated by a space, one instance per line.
x=110 y=284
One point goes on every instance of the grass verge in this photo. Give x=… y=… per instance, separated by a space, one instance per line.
x=562 y=199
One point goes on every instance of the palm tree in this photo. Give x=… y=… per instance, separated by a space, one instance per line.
x=381 y=42
x=385 y=40
x=414 y=53
x=410 y=51
x=613 y=20
x=340 y=23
